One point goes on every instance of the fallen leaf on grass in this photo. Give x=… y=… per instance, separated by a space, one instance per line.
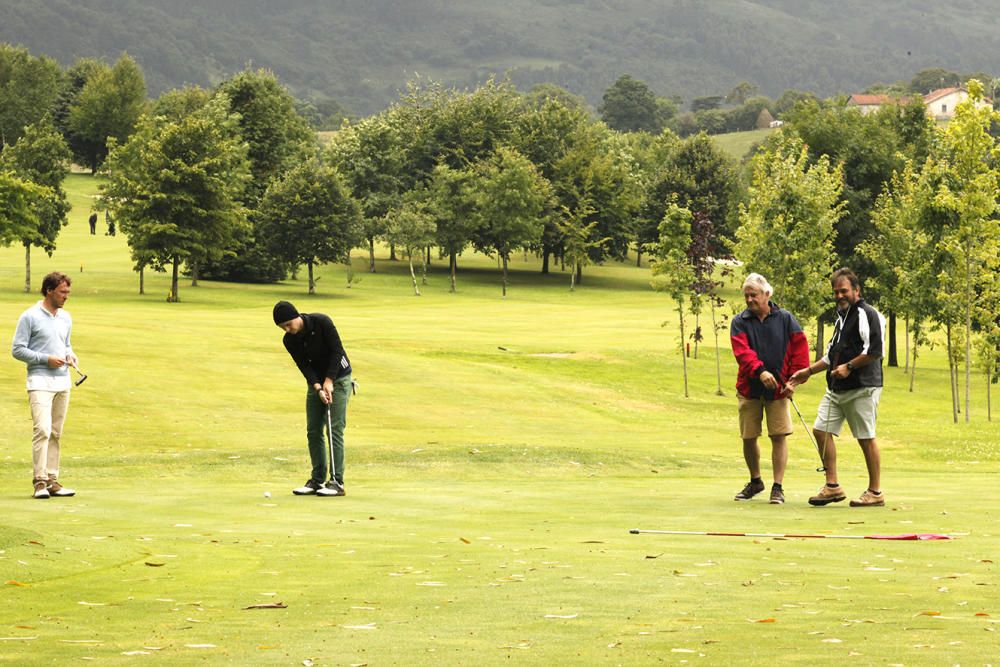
x=981 y=613
x=36 y=542
x=653 y=557
x=152 y=564
x=929 y=613
x=11 y=582
x=763 y=620
x=268 y=605
x=462 y=539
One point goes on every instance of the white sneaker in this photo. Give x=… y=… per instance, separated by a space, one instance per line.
x=41 y=492
x=332 y=488
x=57 y=490
x=308 y=489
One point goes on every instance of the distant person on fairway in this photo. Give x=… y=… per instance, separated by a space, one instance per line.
x=769 y=346
x=93 y=224
x=853 y=364
x=315 y=346
x=42 y=341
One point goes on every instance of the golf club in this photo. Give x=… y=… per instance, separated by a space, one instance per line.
x=904 y=536
x=329 y=441
x=821 y=452
x=83 y=376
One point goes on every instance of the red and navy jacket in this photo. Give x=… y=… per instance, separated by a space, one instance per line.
x=777 y=345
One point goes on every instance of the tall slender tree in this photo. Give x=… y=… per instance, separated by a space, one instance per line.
x=41 y=157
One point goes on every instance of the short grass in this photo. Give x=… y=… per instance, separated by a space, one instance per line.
x=498 y=452
x=738 y=144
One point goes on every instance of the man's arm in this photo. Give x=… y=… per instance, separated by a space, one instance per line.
x=22 y=338
x=302 y=362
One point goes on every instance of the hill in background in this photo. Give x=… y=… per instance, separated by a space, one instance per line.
x=362 y=53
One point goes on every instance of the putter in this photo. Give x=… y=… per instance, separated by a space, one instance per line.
x=821 y=452
x=83 y=376
x=329 y=441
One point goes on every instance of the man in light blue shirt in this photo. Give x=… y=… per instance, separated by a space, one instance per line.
x=42 y=341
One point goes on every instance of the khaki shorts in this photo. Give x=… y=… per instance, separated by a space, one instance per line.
x=752 y=411
x=858 y=407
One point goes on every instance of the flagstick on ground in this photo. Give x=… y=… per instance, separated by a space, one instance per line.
x=904 y=536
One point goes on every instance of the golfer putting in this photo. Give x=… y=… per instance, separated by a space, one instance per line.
x=315 y=347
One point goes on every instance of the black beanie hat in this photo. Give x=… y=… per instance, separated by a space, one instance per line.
x=284 y=311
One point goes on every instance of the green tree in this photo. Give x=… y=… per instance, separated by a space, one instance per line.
x=175 y=187
x=510 y=197
x=903 y=255
x=75 y=78
x=630 y=106
x=108 y=107
x=698 y=176
x=927 y=80
x=970 y=191
x=309 y=217
x=787 y=227
x=277 y=139
x=41 y=156
x=741 y=92
x=671 y=266
x=370 y=156
x=452 y=203
x=19 y=210
x=29 y=87
x=545 y=135
x=411 y=228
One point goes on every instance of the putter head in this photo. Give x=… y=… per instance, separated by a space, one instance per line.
x=80 y=381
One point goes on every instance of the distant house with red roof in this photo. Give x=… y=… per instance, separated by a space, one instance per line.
x=941 y=103
x=867 y=104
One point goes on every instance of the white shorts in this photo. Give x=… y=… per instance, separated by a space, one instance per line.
x=858 y=406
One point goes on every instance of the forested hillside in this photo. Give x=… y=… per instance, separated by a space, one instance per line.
x=362 y=53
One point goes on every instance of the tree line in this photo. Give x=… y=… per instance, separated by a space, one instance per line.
x=232 y=183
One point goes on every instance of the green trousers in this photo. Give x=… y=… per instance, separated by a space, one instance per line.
x=315 y=425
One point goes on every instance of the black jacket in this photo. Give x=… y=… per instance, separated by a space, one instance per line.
x=861 y=330
x=317 y=350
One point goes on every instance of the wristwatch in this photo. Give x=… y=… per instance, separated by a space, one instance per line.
x=850 y=366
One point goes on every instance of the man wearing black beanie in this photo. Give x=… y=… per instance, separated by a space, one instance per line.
x=314 y=344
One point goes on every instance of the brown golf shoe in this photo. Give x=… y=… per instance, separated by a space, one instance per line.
x=827 y=495
x=869 y=499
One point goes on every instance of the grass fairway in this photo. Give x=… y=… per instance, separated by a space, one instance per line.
x=498 y=452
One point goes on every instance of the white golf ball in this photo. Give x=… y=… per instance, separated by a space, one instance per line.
x=267 y=494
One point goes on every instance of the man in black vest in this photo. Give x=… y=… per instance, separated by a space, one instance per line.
x=853 y=365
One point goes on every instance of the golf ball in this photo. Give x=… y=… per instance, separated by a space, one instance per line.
x=267 y=494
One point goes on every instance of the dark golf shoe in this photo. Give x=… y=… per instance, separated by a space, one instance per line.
x=332 y=488
x=308 y=489
x=749 y=491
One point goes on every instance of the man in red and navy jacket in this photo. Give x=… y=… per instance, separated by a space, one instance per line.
x=769 y=346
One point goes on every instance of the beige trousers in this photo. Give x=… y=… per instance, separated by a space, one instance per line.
x=48 y=412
